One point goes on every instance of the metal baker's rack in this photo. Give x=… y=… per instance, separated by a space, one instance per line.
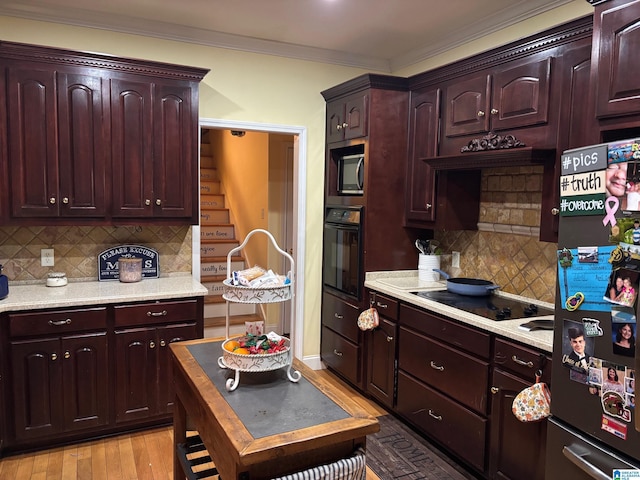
x=268 y=294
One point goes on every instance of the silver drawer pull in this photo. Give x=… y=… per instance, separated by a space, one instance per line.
x=522 y=362
x=432 y=414
x=157 y=314
x=337 y=353
x=436 y=367
x=382 y=305
x=337 y=315
x=389 y=339
x=58 y=323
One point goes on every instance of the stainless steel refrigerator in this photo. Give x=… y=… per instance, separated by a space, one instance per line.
x=594 y=430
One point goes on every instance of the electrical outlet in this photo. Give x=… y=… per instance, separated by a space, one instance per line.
x=455 y=259
x=46 y=257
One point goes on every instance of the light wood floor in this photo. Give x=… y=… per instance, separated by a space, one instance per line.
x=144 y=455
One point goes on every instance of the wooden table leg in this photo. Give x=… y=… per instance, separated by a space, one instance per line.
x=179 y=436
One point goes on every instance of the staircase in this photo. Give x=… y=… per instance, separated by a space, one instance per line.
x=217 y=239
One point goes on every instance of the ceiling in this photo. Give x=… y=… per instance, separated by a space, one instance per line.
x=381 y=35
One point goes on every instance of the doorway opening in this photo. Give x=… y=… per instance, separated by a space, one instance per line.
x=281 y=208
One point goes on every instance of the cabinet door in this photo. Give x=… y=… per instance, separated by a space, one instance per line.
x=131 y=148
x=381 y=366
x=347 y=118
x=520 y=96
x=4 y=153
x=166 y=336
x=335 y=119
x=37 y=393
x=578 y=127
x=174 y=188
x=356 y=116
x=85 y=385
x=517 y=448
x=616 y=43
x=420 y=193
x=136 y=374
x=83 y=150
x=33 y=147
x=467 y=106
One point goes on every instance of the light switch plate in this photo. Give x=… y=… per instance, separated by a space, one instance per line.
x=455 y=259
x=46 y=257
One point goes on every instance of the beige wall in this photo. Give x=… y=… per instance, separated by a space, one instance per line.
x=264 y=89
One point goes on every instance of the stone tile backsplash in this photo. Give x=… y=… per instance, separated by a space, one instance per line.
x=506 y=249
x=76 y=249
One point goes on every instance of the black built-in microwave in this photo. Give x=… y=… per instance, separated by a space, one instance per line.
x=351 y=174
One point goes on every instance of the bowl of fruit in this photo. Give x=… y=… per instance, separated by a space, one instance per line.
x=255 y=353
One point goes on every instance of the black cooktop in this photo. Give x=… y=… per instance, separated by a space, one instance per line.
x=493 y=307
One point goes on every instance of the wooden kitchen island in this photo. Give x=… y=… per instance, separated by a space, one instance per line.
x=268 y=426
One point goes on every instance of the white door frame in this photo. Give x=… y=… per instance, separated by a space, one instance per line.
x=299 y=209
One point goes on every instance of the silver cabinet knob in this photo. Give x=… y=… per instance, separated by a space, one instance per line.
x=555 y=211
x=158 y=201
x=65 y=200
x=494 y=111
x=52 y=200
x=147 y=201
x=481 y=113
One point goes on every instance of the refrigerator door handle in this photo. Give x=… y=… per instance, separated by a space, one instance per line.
x=579 y=459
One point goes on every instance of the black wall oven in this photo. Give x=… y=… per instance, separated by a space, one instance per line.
x=342 y=257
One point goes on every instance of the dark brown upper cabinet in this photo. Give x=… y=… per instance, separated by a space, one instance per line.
x=615 y=68
x=499 y=100
x=347 y=118
x=94 y=139
x=420 y=192
x=57 y=151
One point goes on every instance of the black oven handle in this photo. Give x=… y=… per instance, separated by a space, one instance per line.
x=352 y=227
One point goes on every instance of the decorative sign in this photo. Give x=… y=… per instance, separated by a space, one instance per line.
x=108 y=261
x=582 y=205
x=582 y=183
x=586 y=159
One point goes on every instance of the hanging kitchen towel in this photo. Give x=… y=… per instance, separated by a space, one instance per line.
x=533 y=403
x=368 y=320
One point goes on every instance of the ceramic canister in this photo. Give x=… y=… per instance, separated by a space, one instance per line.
x=129 y=269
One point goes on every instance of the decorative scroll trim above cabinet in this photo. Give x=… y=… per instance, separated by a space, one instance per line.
x=500 y=157
x=492 y=141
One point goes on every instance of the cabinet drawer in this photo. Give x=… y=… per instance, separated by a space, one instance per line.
x=455 y=427
x=341 y=355
x=155 y=312
x=455 y=373
x=451 y=332
x=386 y=306
x=521 y=360
x=341 y=317
x=57 y=322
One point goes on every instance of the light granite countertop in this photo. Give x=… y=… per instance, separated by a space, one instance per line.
x=39 y=296
x=400 y=284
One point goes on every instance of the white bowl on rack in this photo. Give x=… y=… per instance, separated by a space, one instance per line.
x=259 y=362
x=267 y=294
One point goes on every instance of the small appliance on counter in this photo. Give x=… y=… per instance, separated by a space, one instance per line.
x=4 y=285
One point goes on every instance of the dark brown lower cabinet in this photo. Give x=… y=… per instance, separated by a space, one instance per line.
x=80 y=373
x=144 y=386
x=382 y=344
x=517 y=448
x=58 y=371
x=59 y=384
x=458 y=429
